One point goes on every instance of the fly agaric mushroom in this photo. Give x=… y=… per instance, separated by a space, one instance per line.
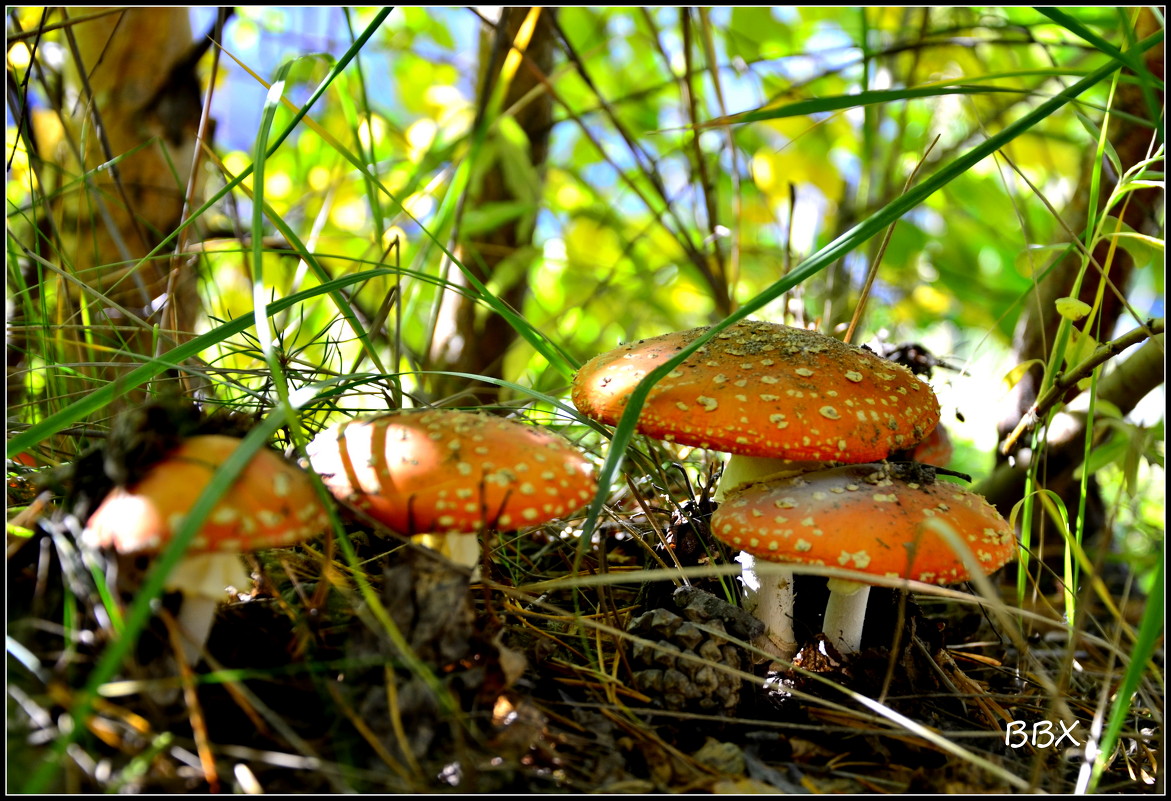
x=873 y=518
x=271 y=504
x=781 y=400
x=447 y=475
x=767 y=390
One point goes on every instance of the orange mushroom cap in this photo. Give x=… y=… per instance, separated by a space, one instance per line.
x=765 y=389
x=444 y=471
x=935 y=449
x=864 y=517
x=271 y=504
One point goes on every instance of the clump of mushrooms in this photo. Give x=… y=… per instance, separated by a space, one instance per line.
x=271 y=504
x=780 y=400
x=877 y=519
x=444 y=475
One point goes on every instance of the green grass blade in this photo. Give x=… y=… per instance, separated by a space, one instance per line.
x=870 y=97
x=1150 y=635
x=272 y=102
x=1129 y=57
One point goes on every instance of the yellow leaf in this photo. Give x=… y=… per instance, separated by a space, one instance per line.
x=1013 y=376
x=743 y=787
x=1081 y=347
x=1072 y=308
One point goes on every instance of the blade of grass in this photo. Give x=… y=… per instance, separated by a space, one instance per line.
x=871 y=97
x=1127 y=57
x=264 y=333
x=1150 y=634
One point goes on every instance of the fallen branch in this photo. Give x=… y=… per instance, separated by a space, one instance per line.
x=1065 y=381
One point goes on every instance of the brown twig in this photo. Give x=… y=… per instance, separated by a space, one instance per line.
x=1065 y=381
x=873 y=272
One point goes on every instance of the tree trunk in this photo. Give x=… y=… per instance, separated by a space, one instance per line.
x=467 y=337
x=114 y=169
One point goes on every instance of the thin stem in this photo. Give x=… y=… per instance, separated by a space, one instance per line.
x=196 y=616
x=742 y=470
x=774 y=608
x=462 y=549
x=845 y=613
x=774 y=596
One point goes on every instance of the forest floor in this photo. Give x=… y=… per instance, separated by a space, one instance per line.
x=558 y=671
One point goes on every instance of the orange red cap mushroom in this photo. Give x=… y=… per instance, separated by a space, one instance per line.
x=869 y=518
x=271 y=504
x=446 y=472
x=765 y=389
x=866 y=518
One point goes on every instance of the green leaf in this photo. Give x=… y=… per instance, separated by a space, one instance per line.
x=823 y=105
x=754 y=33
x=490 y=216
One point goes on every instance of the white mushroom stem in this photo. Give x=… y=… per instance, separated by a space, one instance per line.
x=462 y=549
x=774 y=607
x=203 y=579
x=845 y=613
x=196 y=615
x=746 y=469
x=774 y=590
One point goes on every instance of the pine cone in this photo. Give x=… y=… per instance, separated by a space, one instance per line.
x=678 y=667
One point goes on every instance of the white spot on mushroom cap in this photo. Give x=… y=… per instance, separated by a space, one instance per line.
x=222 y=515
